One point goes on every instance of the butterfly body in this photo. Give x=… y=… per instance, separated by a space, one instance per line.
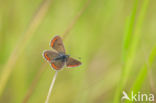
x=62 y=57
x=59 y=58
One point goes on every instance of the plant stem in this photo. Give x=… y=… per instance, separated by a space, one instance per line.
x=51 y=86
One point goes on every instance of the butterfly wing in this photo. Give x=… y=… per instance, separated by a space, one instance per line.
x=50 y=55
x=58 y=64
x=57 y=44
x=71 y=62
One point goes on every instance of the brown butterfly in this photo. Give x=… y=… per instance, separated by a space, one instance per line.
x=58 y=59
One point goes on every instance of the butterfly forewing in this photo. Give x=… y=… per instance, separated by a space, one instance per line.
x=57 y=44
x=57 y=65
x=50 y=55
x=71 y=62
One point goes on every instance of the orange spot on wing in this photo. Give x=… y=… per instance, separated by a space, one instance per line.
x=52 y=43
x=47 y=57
x=73 y=65
x=53 y=65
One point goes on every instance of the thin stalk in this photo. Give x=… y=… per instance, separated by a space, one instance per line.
x=51 y=86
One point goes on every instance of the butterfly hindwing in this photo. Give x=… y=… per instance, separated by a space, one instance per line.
x=71 y=62
x=57 y=44
x=57 y=65
x=49 y=55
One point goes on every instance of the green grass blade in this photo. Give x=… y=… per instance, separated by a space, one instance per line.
x=144 y=71
x=132 y=49
x=128 y=31
x=126 y=45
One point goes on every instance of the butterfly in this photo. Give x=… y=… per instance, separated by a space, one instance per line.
x=58 y=57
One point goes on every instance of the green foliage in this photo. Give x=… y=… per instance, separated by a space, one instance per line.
x=105 y=34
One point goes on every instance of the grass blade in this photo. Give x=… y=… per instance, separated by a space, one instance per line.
x=143 y=72
x=132 y=49
x=128 y=31
x=35 y=22
x=75 y=19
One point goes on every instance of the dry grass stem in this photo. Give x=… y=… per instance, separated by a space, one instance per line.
x=51 y=87
x=35 y=22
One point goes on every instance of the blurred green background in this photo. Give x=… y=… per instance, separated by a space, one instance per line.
x=115 y=40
